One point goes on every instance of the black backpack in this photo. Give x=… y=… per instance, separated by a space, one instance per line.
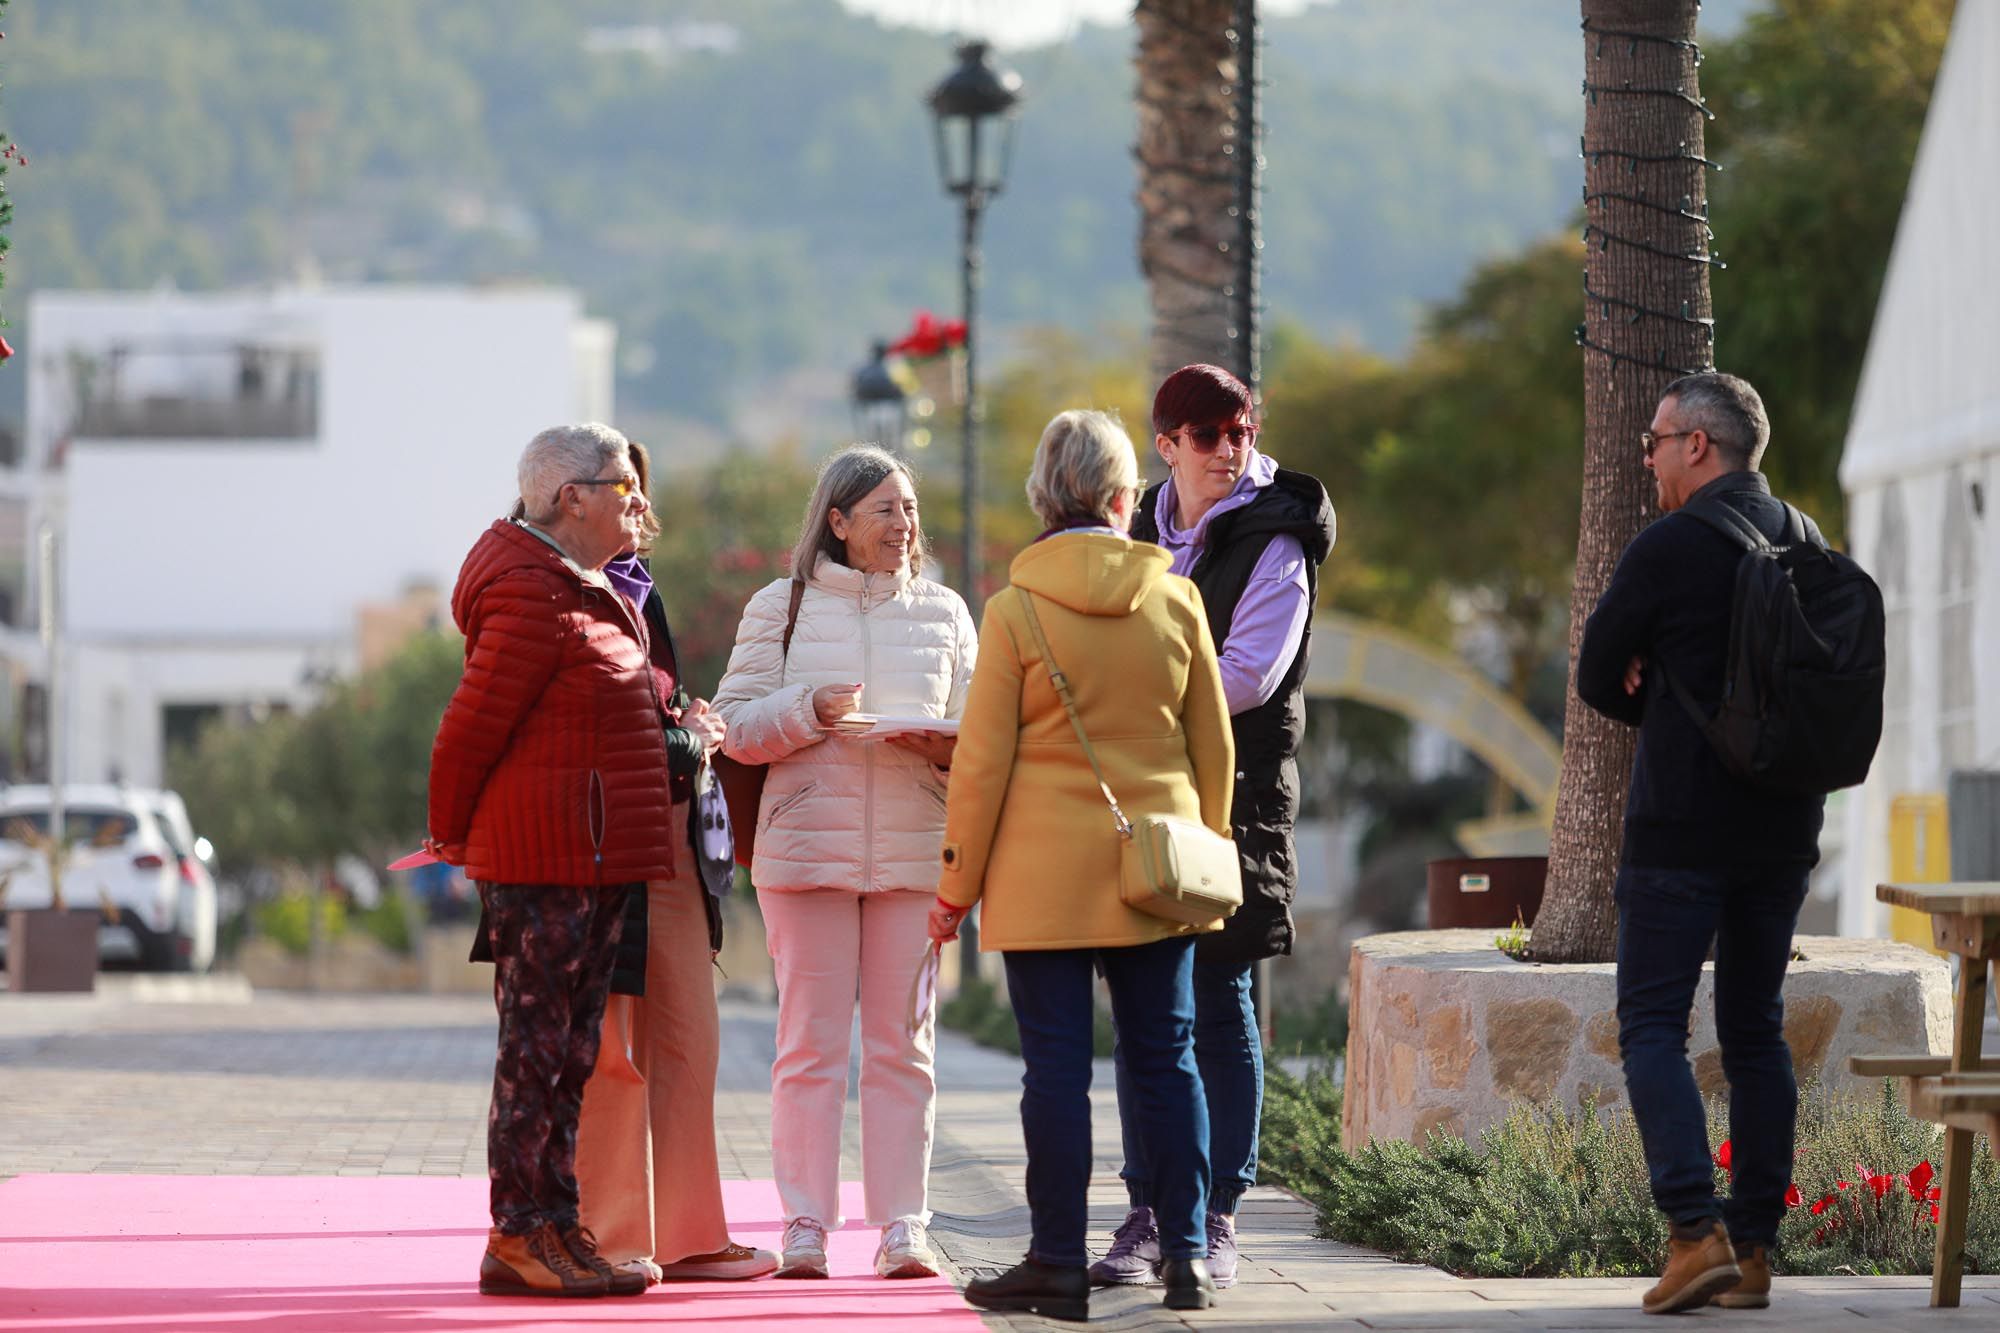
x=1801 y=705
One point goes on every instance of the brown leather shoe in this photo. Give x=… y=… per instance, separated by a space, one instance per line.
x=621 y=1282
x=1697 y=1270
x=1754 y=1291
x=536 y=1264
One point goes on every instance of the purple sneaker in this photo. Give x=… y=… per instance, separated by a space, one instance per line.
x=1134 y=1256
x=1221 y=1250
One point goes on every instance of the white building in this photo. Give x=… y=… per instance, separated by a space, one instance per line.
x=1920 y=475
x=238 y=477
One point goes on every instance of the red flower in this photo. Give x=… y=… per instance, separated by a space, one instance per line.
x=1722 y=1157
x=1919 y=1177
x=1878 y=1183
x=1822 y=1205
x=1792 y=1196
x=1934 y=1214
x=6 y=349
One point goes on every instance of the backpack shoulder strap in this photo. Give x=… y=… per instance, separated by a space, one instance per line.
x=1728 y=520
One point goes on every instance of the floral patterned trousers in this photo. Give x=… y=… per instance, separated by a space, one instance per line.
x=552 y=950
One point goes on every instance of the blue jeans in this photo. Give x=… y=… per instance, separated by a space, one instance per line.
x=1230 y=1052
x=1153 y=1004
x=1667 y=920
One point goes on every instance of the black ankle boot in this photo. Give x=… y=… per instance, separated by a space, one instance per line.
x=1051 y=1290
x=1189 y=1287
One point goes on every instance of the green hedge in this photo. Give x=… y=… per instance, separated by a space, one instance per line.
x=1554 y=1192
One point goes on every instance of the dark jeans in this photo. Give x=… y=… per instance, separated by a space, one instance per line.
x=1153 y=1005
x=1666 y=921
x=552 y=950
x=1230 y=1052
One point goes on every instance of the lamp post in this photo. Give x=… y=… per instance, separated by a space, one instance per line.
x=964 y=108
x=881 y=409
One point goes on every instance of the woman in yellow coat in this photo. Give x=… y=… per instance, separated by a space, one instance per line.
x=1029 y=835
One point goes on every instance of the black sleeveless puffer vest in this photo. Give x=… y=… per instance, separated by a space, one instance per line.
x=1266 y=804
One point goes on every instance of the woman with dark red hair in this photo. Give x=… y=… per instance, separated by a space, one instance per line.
x=1252 y=536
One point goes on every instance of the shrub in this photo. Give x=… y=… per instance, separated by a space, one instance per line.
x=1552 y=1192
x=1320 y=1030
x=287 y=919
x=395 y=920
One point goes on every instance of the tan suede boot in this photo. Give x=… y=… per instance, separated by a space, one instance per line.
x=1696 y=1271
x=1754 y=1291
x=536 y=1264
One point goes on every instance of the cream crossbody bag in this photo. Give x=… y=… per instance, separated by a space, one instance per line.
x=1172 y=868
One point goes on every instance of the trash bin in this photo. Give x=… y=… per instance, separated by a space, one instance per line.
x=1478 y=891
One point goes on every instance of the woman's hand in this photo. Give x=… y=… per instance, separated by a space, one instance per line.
x=944 y=921
x=706 y=724
x=934 y=747
x=833 y=702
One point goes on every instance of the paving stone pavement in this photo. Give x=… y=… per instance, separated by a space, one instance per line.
x=199 y=1076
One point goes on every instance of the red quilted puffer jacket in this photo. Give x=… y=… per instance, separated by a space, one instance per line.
x=550 y=766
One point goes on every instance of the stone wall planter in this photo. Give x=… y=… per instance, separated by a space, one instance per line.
x=51 y=950
x=1445 y=1032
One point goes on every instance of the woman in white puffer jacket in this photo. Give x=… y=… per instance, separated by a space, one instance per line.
x=848 y=837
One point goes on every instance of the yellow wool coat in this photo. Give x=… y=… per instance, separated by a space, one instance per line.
x=1027 y=832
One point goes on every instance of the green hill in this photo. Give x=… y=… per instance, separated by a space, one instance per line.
x=746 y=188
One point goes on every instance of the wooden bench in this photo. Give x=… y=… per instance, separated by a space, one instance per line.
x=1960 y=1091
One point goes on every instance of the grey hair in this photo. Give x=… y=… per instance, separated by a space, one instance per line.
x=563 y=454
x=1728 y=411
x=1083 y=460
x=844 y=480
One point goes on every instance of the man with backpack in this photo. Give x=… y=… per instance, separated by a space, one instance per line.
x=1750 y=658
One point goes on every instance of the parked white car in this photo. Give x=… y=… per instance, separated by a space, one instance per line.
x=133 y=854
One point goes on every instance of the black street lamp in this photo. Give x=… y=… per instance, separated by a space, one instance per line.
x=964 y=108
x=881 y=409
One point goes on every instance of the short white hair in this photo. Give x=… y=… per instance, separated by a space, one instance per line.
x=562 y=454
x=1083 y=460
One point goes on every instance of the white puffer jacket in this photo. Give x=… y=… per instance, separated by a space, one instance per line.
x=840 y=812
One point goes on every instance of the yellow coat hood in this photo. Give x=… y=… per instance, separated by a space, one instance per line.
x=1093 y=573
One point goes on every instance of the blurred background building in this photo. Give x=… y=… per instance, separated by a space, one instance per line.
x=260 y=491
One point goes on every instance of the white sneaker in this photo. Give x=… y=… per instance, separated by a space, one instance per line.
x=805 y=1249
x=646 y=1268
x=905 y=1251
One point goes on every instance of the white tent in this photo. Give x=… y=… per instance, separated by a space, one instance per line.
x=1920 y=466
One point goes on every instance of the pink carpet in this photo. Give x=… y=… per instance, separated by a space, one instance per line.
x=242 y=1253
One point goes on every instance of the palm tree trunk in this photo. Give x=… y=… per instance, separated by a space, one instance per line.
x=1197 y=192
x=1646 y=320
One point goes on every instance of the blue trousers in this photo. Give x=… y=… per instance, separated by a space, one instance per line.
x=1230 y=1052
x=1152 y=1002
x=1667 y=919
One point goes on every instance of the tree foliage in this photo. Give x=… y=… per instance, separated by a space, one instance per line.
x=1819 y=105
x=349 y=776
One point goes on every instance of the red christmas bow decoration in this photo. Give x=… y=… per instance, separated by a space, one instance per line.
x=929 y=337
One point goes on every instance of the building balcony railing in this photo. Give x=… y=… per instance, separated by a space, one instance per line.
x=174 y=418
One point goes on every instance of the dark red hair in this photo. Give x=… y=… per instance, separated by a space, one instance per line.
x=1199 y=395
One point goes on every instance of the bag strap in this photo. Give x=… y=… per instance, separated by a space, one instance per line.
x=1730 y=521
x=1061 y=682
x=792 y=616
x=791 y=623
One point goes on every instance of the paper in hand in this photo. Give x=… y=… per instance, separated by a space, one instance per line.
x=420 y=857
